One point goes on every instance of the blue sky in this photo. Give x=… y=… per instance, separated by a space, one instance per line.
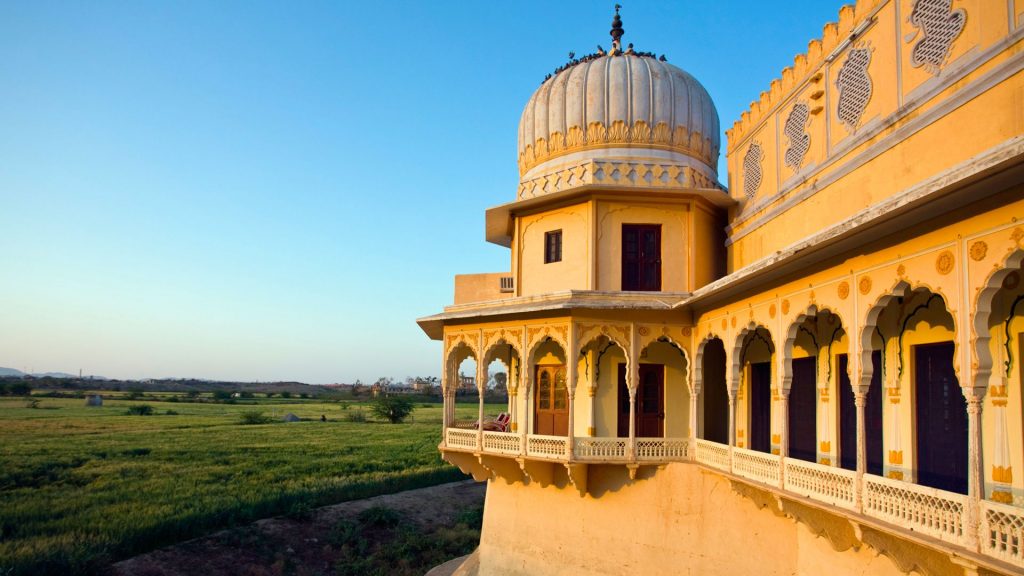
x=276 y=191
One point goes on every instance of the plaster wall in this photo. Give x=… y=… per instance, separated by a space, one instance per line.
x=572 y=272
x=974 y=102
x=683 y=520
x=675 y=235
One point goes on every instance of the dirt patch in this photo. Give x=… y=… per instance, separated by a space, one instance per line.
x=331 y=540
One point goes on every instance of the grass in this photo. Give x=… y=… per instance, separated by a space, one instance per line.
x=81 y=487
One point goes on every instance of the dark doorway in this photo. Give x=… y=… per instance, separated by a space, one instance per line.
x=715 y=394
x=641 y=257
x=803 y=410
x=941 y=418
x=650 y=402
x=551 y=404
x=761 y=407
x=872 y=416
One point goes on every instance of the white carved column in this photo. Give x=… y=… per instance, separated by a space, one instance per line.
x=732 y=422
x=481 y=389
x=975 y=473
x=860 y=400
x=784 y=388
x=527 y=399
x=632 y=380
x=692 y=438
x=783 y=416
x=572 y=359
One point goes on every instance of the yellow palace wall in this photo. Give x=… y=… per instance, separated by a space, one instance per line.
x=678 y=520
x=955 y=262
x=592 y=244
x=976 y=103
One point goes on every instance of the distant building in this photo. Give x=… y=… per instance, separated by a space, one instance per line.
x=815 y=365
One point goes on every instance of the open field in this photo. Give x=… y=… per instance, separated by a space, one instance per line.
x=81 y=487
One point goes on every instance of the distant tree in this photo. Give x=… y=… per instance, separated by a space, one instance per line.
x=500 y=381
x=192 y=393
x=286 y=394
x=136 y=392
x=246 y=394
x=303 y=395
x=269 y=394
x=3 y=389
x=19 y=389
x=221 y=395
x=394 y=409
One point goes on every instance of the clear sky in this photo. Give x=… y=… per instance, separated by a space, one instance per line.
x=276 y=191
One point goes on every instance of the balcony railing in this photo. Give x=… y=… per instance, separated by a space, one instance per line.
x=546 y=447
x=1002 y=532
x=756 y=466
x=502 y=443
x=828 y=484
x=600 y=449
x=928 y=511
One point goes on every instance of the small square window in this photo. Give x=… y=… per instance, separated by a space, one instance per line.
x=553 y=246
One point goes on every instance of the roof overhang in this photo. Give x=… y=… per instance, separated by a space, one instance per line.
x=564 y=301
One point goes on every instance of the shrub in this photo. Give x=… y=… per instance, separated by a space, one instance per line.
x=192 y=394
x=135 y=393
x=355 y=416
x=392 y=408
x=33 y=403
x=269 y=394
x=171 y=413
x=346 y=405
x=221 y=395
x=246 y=394
x=140 y=410
x=253 y=417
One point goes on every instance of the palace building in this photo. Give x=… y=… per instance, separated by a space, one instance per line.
x=810 y=366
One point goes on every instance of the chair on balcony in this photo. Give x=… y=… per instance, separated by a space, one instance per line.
x=498 y=424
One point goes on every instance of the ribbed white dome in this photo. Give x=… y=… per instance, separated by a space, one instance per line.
x=619 y=106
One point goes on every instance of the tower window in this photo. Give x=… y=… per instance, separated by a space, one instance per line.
x=641 y=257
x=553 y=246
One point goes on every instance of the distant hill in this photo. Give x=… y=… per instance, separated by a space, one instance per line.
x=55 y=375
x=10 y=372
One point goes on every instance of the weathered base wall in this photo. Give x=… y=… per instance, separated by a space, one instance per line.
x=679 y=520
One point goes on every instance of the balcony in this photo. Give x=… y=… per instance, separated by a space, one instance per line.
x=902 y=506
x=537 y=457
x=982 y=529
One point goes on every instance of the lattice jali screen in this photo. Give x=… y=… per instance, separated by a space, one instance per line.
x=1002 y=533
x=939 y=26
x=854 y=86
x=752 y=169
x=799 y=139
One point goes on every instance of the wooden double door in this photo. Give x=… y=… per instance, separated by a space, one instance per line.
x=551 y=402
x=650 y=402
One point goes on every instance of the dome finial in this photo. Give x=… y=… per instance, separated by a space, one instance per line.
x=617 y=30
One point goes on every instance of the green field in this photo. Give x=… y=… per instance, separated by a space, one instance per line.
x=81 y=487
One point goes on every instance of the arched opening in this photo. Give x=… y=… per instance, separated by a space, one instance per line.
x=662 y=396
x=460 y=387
x=550 y=403
x=999 y=325
x=602 y=373
x=755 y=361
x=503 y=367
x=915 y=336
x=714 y=422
